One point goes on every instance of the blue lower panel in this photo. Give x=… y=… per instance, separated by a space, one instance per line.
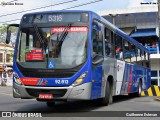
x=96 y=82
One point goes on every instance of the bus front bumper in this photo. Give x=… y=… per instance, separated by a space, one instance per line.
x=80 y=92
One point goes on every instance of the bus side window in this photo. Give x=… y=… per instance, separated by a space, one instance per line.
x=126 y=51
x=118 y=47
x=97 y=43
x=94 y=39
x=107 y=35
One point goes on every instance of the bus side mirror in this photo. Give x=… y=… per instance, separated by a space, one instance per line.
x=8 y=37
x=9 y=31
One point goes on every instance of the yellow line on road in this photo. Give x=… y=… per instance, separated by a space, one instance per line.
x=6 y=94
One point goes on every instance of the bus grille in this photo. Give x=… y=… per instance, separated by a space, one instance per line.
x=54 y=92
x=46 y=75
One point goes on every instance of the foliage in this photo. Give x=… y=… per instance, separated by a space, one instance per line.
x=3 y=30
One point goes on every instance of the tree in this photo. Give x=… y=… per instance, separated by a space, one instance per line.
x=3 y=30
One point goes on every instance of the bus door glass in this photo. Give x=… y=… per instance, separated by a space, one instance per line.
x=97 y=59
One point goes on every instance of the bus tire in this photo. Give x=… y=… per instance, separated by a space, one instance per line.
x=50 y=104
x=138 y=94
x=106 y=100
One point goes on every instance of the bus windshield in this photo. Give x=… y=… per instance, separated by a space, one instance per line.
x=56 y=47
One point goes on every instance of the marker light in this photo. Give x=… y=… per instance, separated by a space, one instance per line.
x=80 y=79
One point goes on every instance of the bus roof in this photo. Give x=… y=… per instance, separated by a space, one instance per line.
x=59 y=11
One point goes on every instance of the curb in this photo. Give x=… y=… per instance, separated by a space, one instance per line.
x=154 y=90
x=6 y=85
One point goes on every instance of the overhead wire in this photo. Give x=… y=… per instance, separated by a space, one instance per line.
x=12 y=1
x=10 y=20
x=82 y=4
x=60 y=3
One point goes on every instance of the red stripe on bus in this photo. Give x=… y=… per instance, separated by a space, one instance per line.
x=130 y=80
x=29 y=81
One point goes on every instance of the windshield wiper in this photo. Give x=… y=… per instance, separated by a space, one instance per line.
x=38 y=34
x=62 y=37
x=36 y=28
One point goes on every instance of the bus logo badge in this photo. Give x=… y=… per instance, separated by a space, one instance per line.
x=51 y=64
x=42 y=82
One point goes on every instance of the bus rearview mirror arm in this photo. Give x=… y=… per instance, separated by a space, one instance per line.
x=8 y=38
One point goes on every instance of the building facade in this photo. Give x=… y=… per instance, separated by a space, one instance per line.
x=6 y=56
x=141 y=23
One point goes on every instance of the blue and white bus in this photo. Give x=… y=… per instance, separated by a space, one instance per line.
x=63 y=55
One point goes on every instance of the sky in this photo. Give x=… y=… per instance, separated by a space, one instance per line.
x=30 y=4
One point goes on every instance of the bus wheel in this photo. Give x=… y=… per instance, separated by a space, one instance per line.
x=50 y=104
x=108 y=96
x=138 y=94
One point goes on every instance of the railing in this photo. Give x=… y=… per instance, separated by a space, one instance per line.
x=130 y=54
x=153 y=50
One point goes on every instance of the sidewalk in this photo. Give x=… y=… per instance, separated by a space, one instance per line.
x=157 y=98
x=7 y=83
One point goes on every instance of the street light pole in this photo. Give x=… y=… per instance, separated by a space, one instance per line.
x=113 y=16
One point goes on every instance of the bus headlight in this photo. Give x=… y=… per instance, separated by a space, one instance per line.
x=80 y=79
x=17 y=79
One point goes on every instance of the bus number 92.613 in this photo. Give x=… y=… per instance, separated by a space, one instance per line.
x=61 y=82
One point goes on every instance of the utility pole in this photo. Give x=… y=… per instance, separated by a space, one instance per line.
x=113 y=16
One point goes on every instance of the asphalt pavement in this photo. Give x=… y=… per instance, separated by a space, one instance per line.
x=78 y=108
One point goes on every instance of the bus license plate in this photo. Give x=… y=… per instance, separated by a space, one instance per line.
x=45 y=96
